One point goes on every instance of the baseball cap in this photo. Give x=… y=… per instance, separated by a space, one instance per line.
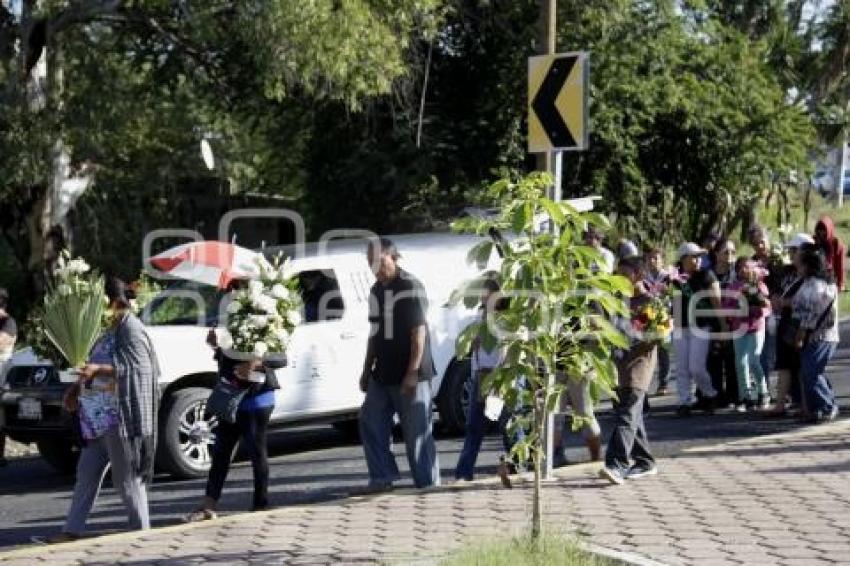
x=799 y=240
x=690 y=248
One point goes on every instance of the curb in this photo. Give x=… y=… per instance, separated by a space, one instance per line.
x=520 y=480
x=525 y=479
x=622 y=556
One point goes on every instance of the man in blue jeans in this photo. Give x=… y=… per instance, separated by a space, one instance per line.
x=397 y=374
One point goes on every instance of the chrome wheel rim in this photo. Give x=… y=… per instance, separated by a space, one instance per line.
x=196 y=436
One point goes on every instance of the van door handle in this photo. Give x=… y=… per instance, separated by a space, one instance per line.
x=347 y=335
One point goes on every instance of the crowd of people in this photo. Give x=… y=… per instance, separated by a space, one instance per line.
x=737 y=320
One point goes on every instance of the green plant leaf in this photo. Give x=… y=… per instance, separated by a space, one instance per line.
x=554 y=210
x=463 y=344
x=480 y=254
x=522 y=217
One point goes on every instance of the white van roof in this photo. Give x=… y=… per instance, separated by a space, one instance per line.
x=404 y=242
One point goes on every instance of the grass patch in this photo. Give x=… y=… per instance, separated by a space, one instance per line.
x=521 y=551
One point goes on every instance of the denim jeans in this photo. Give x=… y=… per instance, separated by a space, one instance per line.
x=818 y=393
x=628 y=439
x=376 y=425
x=768 y=352
x=476 y=423
x=752 y=381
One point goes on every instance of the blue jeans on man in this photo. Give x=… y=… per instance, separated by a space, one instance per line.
x=382 y=402
x=818 y=393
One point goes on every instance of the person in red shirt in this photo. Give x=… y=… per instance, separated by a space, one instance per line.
x=832 y=249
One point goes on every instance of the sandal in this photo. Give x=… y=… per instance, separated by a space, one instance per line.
x=199 y=515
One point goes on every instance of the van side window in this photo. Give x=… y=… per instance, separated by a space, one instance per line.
x=321 y=295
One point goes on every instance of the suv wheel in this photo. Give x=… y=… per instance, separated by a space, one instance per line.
x=453 y=400
x=62 y=455
x=186 y=436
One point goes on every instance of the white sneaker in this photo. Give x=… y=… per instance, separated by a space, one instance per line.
x=612 y=475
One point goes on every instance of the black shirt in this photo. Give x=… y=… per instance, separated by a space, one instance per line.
x=395 y=309
x=699 y=282
x=227 y=370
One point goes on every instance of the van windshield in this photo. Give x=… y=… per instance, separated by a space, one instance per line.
x=184 y=303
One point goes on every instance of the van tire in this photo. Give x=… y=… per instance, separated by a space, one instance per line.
x=177 y=454
x=453 y=400
x=350 y=429
x=62 y=455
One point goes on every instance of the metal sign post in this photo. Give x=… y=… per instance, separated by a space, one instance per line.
x=549 y=432
x=557 y=122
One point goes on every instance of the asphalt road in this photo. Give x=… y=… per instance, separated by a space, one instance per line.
x=318 y=463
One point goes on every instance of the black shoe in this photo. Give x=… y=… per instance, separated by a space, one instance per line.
x=683 y=411
x=709 y=405
x=3 y=462
x=636 y=472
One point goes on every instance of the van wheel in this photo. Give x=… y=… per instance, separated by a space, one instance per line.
x=453 y=400
x=350 y=429
x=62 y=455
x=186 y=436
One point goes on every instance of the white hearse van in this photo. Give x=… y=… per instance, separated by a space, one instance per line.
x=325 y=359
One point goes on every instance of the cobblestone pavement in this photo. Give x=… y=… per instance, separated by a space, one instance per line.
x=780 y=499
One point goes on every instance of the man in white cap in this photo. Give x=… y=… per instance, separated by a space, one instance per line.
x=696 y=321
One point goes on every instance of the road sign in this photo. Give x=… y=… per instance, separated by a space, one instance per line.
x=557 y=102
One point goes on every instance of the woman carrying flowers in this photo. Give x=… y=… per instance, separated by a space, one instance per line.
x=261 y=315
x=750 y=296
x=122 y=431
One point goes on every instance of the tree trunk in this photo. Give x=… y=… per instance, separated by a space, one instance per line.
x=538 y=451
x=807 y=206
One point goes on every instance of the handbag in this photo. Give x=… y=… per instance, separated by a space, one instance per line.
x=223 y=402
x=789 y=334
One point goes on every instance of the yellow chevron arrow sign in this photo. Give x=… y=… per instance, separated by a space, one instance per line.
x=557 y=102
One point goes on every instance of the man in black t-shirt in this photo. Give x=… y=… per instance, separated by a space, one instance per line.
x=397 y=374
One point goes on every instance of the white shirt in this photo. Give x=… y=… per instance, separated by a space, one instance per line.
x=484 y=360
x=607 y=260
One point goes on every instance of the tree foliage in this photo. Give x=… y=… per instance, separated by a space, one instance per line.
x=557 y=318
x=395 y=115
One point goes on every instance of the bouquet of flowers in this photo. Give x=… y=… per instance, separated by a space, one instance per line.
x=752 y=292
x=262 y=316
x=74 y=309
x=653 y=319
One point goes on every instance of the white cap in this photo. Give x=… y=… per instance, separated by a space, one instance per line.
x=690 y=248
x=799 y=240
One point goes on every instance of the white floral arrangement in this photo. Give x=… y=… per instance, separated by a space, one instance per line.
x=74 y=309
x=262 y=316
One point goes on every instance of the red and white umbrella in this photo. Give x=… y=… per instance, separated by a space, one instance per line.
x=213 y=263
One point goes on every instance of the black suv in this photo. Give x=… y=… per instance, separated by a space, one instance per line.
x=33 y=411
